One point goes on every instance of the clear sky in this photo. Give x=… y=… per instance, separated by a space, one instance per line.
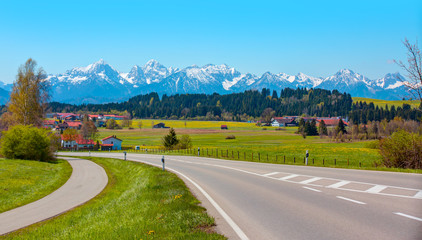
x=314 y=37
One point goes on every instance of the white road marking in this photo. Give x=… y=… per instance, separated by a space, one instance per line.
x=376 y=189
x=351 y=200
x=408 y=216
x=228 y=219
x=310 y=180
x=269 y=174
x=338 y=184
x=418 y=195
x=288 y=177
x=312 y=189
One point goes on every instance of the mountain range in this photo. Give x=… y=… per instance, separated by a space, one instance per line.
x=99 y=82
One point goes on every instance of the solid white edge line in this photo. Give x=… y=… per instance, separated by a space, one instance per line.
x=408 y=216
x=226 y=217
x=351 y=200
x=312 y=189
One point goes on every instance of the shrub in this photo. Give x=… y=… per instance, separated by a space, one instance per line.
x=264 y=128
x=402 y=149
x=185 y=142
x=231 y=137
x=27 y=142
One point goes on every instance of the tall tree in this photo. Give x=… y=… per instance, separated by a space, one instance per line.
x=29 y=96
x=413 y=69
x=341 y=128
x=267 y=115
x=88 y=130
x=170 y=140
x=322 y=129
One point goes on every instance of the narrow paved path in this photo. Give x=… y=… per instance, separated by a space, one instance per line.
x=88 y=179
x=271 y=201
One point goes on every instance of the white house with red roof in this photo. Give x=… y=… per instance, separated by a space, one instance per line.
x=112 y=143
x=78 y=143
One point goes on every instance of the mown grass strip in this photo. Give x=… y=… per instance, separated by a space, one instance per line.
x=140 y=202
x=24 y=181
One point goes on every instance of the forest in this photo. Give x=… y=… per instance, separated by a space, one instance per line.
x=248 y=105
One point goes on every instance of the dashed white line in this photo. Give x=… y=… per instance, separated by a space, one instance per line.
x=338 y=184
x=376 y=189
x=288 y=177
x=310 y=180
x=312 y=189
x=351 y=200
x=269 y=174
x=408 y=216
x=418 y=195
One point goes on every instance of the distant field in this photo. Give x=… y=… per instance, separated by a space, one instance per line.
x=382 y=103
x=278 y=144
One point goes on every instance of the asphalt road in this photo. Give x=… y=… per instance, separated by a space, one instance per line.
x=268 y=201
x=88 y=179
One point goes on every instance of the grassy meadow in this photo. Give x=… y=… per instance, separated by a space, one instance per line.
x=382 y=103
x=282 y=146
x=140 y=202
x=24 y=181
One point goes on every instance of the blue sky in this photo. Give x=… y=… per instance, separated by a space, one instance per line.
x=314 y=37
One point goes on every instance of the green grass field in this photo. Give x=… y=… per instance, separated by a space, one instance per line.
x=382 y=103
x=140 y=202
x=24 y=181
x=281 y=146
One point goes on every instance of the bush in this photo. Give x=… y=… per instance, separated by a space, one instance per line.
x=185 y=142
x=264 y=128
x=231 y=137
x=27 y=142
x=402 y=150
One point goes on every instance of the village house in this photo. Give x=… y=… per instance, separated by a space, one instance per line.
x=77 y=144
x=74 y=125
x=49 y=123
x=62 y=126
x=283 y=122
x=111 y=143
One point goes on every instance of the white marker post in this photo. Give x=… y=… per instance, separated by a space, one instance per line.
x=124 y=154
x=162 y=160
x=198 y=151
x=307 y=155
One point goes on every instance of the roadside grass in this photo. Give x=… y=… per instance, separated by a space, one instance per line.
x=140 y=202
x=382 y=103
x=24 y=181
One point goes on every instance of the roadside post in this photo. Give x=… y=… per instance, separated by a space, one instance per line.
x=90 y=153
x=307 y=155
x=199 y=151
x=124 y=154
x=162 y=160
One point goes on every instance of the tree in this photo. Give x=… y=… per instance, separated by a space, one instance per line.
x=322 y=129
x=27 y=142
x=70 y=134
x=88 y=130
x=170 y=140
x=267 y=115
x=29 y=96
x=341 y=128
x=140 y=124
x=111 y=124
x=312 y=128
x=413 y=69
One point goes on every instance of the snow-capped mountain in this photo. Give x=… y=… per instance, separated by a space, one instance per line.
x=99 y=82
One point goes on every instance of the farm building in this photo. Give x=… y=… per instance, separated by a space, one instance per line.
x=224 y=127
x=160 y=125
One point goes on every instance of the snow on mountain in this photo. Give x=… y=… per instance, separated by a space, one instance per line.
x=99 y=82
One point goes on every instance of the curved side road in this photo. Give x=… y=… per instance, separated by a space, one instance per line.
x=88 y=179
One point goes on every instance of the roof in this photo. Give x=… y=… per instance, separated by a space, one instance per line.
x=284 y=120
x=332 y=122
x=112 y=136
x=85 y=141
x=107 y=145
x=74 y=124
x=49 y=122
